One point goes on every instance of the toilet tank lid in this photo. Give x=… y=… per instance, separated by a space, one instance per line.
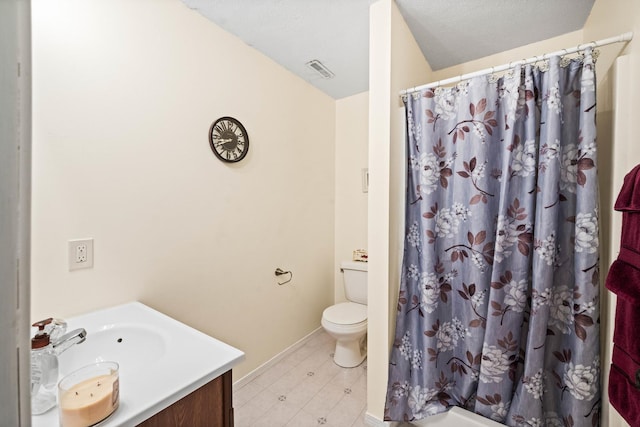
x=354 y=265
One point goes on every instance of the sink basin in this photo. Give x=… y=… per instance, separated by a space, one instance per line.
x=134 y=345
x=161 y=359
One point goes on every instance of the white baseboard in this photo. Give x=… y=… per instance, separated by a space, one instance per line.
x=373 y=421
x=275 y=359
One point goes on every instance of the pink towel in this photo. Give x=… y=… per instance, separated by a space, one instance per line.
x=624 y=280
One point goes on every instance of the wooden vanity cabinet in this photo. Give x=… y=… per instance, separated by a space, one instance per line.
x=209 y=406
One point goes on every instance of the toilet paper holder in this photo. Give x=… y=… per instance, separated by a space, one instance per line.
x=280 y=272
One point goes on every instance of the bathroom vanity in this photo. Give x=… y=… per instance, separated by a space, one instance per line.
x=208 y=406
x=170 y=373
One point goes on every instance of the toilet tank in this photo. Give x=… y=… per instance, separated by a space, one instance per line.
x=355 y=281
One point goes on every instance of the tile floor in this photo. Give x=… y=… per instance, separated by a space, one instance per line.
x=305 y=389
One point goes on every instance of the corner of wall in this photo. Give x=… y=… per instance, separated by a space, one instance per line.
x=351 y=157
x=395 y=62
x=618 y=100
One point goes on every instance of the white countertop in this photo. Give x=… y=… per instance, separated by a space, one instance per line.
x=175 y=361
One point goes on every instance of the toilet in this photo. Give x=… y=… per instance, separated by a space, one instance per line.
x=347 y=321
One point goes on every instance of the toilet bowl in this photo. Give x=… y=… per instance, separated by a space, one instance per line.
x=346 y=322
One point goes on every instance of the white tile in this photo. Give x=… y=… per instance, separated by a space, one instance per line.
x=346 y=411
x=246 y=415
x=286 y=383
x=305 y=389
x=319 y=381
x=320 y=339
x=359 y=389
x=263 y=400
x=305 y=419
x=360 y=397
x=316 y=359
x=347 y=377
x=341 y=418
x=304 y=392
x=302 y=370
x=299 y=356
x=359 y=422
x=273 y=373
x=329 y=368
x=246 y=393
x=279 y=415
x=323 y=402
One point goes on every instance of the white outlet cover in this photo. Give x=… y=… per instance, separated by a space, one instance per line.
x=73 y=251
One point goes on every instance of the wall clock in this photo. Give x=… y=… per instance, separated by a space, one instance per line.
x=228 y=139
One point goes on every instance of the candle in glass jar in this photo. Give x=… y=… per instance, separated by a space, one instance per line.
x=89 y=401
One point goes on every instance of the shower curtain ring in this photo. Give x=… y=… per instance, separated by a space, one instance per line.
x=583 y=46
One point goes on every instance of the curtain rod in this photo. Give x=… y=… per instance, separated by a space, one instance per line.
x=617 y=39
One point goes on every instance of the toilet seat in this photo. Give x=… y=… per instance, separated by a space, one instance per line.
x=346 y=313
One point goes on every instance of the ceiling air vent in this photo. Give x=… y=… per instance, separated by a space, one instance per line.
x=320 y=68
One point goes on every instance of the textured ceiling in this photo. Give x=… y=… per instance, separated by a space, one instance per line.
x=336 y=32
x=453 y=32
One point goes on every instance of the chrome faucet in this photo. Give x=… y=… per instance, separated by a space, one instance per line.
x=67 y=340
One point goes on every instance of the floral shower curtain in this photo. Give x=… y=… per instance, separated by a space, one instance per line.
x=498 y=305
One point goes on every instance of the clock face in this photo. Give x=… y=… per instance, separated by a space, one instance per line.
x=228 y=139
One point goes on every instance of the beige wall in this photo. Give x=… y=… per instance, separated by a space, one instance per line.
x=351 y=202
x=618 y=107
x=395 y=62
x=124 y=93
x=534 y=49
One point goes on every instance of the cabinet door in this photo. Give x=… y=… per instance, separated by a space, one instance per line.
x=208 y=406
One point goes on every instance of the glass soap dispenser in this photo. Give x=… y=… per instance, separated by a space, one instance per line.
x=44 y=370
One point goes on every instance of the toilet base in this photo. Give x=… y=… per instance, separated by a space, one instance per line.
x=351 y=353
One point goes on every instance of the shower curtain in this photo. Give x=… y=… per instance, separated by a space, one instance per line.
x=498 y=306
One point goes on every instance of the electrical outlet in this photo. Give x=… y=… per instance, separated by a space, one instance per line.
x=80 y=254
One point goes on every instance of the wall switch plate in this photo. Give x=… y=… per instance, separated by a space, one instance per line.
x=80 y=254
